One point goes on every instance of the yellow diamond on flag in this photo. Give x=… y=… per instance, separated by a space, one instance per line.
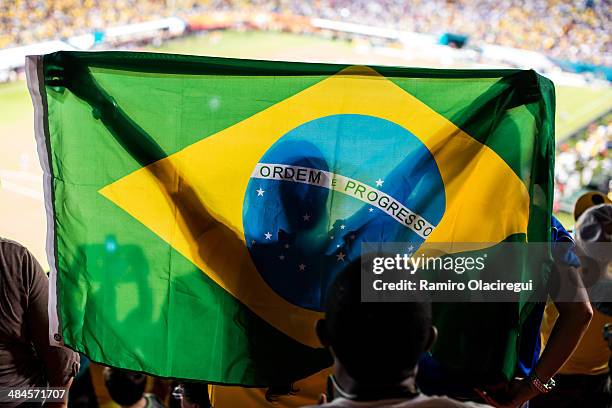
x=211 y=178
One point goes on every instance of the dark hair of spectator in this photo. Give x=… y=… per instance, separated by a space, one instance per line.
x=377 y=343
x=125 y=387
x=196 y=393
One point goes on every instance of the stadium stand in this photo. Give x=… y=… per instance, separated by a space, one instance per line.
x=584 y=162
x=28 y=21
x=562 y=29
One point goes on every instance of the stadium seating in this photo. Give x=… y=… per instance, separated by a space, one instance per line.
x=563 y=29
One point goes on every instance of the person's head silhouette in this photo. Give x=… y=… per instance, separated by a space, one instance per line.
x=375 y=345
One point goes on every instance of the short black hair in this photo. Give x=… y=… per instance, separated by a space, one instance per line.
x=377 y=343
x=124 y=387
x=196 y=393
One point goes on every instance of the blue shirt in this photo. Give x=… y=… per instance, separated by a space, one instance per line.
x=530 y=345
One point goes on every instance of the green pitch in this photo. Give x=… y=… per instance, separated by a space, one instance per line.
x=259 y=45
x=14 y=100
x=16 y=123
x=577 y=107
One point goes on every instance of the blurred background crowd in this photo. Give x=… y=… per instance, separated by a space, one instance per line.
x=584 y=161
x=572 y=30
x=29 y=21
x=563 y=29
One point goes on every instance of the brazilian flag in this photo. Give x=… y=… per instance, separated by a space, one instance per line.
x=198 y=208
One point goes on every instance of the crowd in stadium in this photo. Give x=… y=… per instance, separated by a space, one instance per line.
x=25 y=22
x=563 y=29
x=585 y=161
x=568 y=30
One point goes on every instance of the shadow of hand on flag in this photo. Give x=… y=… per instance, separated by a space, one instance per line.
x=291 y=360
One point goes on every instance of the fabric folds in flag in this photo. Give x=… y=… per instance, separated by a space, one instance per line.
x=200 y=207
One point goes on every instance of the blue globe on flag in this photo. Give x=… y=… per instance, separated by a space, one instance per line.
x=328 y=186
